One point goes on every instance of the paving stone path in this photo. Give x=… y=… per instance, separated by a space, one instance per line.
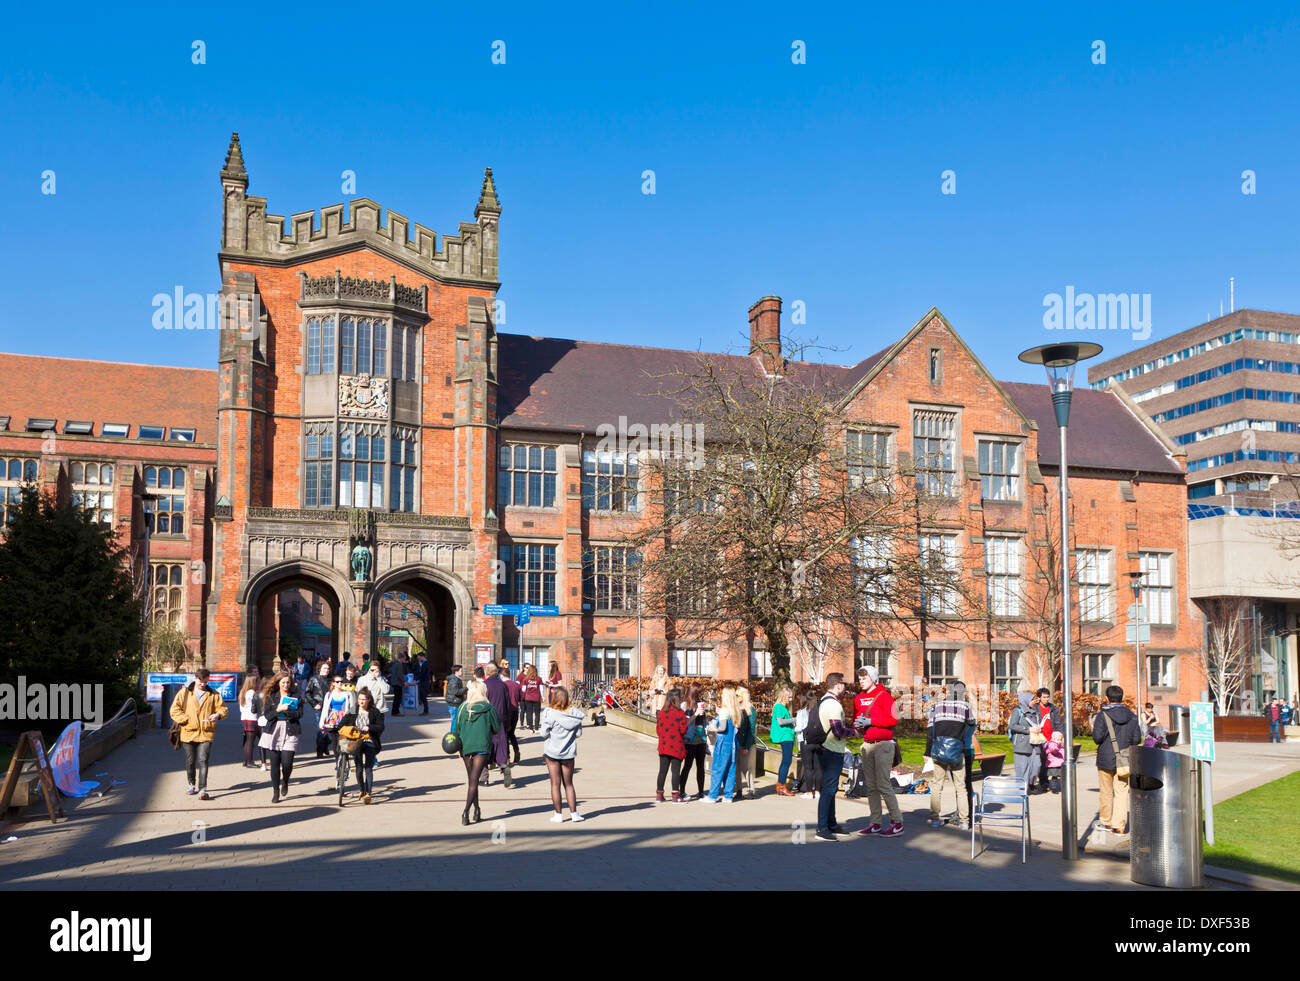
x=148 y=834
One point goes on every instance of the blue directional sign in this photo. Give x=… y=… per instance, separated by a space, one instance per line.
x=502 y=609
x=522 y=617
x=535 y=610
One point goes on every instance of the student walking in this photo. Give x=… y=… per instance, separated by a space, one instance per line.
x=658 y=689
x=696 y=741
x=397 y=681
x=875 y=707
x=340 y=702
x=423 y=679
x=283 y=713
x=781 y=734
x=746 y=737
x=368 y=720
x=477 y=723
x=532 y=698
x=553 y=680
x=561 y=726
x=375 y=683
x=454 y=692
x=723 y=784
x=318 y=689
x=197 y=710
x=499 y=696
x=250 y=707
x=671 y=726
x=516 y=693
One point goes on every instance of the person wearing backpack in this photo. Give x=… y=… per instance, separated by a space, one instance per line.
x=949 y=742
x=828 y=734
x=874 y=709
x=1115 y=731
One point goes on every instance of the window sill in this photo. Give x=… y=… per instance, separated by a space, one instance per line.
x=613 y=514
x=1005 y=504
x=531 y=509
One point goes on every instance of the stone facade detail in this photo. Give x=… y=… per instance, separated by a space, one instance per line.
x=363 y=397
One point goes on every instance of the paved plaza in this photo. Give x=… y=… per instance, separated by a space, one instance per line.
x=143 y=834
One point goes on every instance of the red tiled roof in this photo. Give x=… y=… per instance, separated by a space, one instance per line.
x=555 y=384
x=34 y=387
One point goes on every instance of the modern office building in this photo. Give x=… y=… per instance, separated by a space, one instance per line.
x=1227 y=393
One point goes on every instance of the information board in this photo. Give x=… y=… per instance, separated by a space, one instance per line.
x=1202 y=730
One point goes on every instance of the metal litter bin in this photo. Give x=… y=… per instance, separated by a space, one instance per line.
x=1165 y=819
x=169 y=693
x=1179 y=724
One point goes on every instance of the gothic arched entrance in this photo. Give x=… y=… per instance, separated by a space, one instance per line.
x=258 y=600
x=438 y=604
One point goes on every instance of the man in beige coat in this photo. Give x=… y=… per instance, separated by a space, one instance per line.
x=197 y=710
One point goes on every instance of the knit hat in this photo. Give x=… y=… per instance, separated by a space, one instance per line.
x=871 y=672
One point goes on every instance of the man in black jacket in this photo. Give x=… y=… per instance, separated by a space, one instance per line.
x=1113 y=806
x=423 y=678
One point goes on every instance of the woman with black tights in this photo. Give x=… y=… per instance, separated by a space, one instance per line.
x=283 y=713
x=696 y=741
x=671 y=725
x=476 y=722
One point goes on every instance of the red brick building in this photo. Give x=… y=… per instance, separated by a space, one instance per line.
x=103 y=435
x=375 y=434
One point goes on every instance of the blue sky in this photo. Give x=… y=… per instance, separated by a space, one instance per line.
x=818 y=182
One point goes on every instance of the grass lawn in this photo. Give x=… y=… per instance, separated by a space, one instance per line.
x=1248 y=831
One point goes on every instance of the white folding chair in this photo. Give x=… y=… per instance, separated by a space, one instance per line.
x=1002 y=800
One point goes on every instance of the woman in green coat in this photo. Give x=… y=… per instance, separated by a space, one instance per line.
x=476 y=721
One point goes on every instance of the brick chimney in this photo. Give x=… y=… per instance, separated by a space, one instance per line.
x=765 y=333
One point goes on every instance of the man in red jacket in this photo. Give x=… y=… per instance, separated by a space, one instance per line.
x=874 y=710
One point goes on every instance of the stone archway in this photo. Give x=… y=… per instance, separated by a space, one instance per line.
x=448 y=603
x=254 y=597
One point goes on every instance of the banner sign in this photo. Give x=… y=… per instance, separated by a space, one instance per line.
x=223 y=682
x=156 y=680
x=65 y=761
x=483 y=653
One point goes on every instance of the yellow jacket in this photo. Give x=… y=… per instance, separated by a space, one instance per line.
x=192 y=713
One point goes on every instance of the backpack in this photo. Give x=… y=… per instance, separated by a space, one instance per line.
x=814 y=733
x=948 y=752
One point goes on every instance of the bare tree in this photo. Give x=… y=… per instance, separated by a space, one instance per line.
x=779 y=530
x=1226 y=657
x=1036 y=601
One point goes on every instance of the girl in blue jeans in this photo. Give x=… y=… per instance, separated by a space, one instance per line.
x=724 y=748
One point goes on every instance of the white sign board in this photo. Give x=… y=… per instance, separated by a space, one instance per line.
x=1202 y=730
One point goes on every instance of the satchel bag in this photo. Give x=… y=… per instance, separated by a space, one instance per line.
x=1121 y=755
x=174 y=733
x=948 y=751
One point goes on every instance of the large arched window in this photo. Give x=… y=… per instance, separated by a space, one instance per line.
x=168 y=514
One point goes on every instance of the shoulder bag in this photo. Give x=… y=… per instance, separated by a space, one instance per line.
x=1121 y=755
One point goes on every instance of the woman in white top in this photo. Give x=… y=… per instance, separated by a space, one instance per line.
x=658 y=690
x=250 y=706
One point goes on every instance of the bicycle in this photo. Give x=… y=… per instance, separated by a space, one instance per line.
x=343 y=764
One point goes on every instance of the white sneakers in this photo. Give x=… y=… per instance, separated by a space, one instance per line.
x=557 y=819
x=573 y=816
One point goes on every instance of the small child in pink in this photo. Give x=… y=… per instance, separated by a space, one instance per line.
x=1054 y=749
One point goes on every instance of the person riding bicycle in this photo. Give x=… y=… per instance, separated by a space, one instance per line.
x=338 y=704
x=368 y=721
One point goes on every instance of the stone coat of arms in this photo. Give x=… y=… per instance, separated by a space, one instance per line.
x=363 y=396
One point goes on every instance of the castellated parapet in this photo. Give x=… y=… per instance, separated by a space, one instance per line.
x=249 y=233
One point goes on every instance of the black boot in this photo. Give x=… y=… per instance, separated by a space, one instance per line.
x=477 y=816
x=505 y=771
x=464 y=816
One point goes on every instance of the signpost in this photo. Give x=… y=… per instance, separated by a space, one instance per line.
x=523 y=614
x=1202 y=733
x=1138 y=632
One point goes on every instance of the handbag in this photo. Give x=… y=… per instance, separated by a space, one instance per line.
x=174 y=733
x=1121 y=755
x=898 y=754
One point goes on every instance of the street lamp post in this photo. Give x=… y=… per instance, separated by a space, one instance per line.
x=1135 y=581
x=146 y=594
x=1060 y=361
